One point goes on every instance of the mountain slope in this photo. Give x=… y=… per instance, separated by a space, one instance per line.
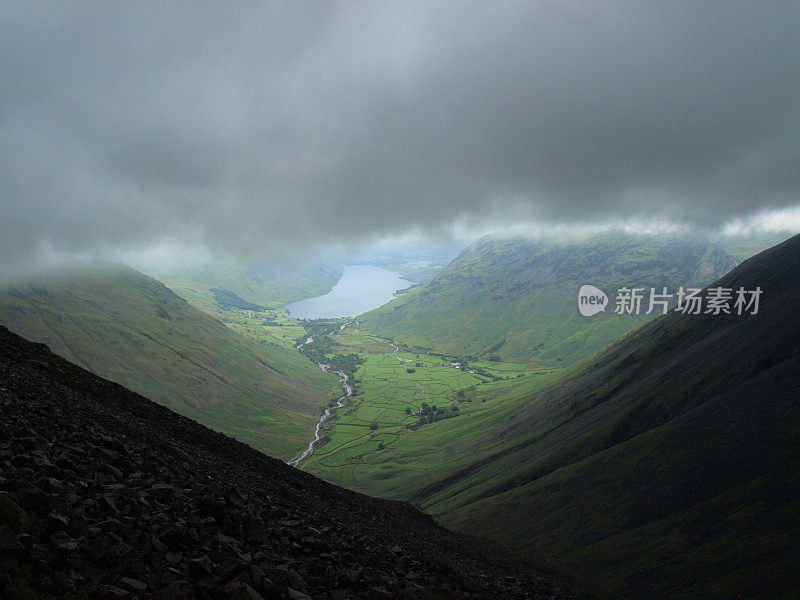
x=104 y=494
x=130 y=328
x=268 y=285
x=667 y=465
x=744 y=245
x=516 y=298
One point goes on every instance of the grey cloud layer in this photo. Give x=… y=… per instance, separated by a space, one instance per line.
x=250 y=127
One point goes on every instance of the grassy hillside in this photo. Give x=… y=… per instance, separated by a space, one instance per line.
x=743 y=246
x=667 y=466
x=128 y=327
x=517 y=299
x=385 y=441
x=270 y=286
x=417 y=261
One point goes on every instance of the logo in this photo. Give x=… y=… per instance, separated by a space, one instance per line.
x=689 y=301
x=591 y=300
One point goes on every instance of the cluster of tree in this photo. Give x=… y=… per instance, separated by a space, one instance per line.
x=320 y=327
x=431 y=414
x=226 y=300
x=317 y=349
x=324 y=345
x=319 y=331
x=347 y=363
x=466 y=366
x=494 y=349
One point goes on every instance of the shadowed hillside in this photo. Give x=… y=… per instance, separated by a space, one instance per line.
x=668 y=465
x=104 y=494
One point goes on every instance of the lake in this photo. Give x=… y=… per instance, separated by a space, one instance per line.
x=361 y=288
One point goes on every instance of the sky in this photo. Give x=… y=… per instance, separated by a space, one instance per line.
x=274 y=129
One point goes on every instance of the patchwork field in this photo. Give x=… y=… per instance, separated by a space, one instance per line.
x=405 y=412
x=267 y=327
x=414 y=410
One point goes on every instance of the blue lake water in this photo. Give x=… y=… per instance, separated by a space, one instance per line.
x=361 y=288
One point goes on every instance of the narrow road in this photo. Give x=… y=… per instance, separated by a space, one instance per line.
x=295 y=462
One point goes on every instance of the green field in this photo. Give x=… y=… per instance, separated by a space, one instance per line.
x=384 y=441
x=270 y=327
x=413 y=417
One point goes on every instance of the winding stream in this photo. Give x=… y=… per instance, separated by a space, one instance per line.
x=343 y=379
x=327 y=415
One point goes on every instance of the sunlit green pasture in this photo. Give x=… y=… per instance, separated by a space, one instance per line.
x=376 y=443
x=270 y=326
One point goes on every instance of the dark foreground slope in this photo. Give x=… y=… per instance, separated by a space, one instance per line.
x=106 y=494
x=669 y=467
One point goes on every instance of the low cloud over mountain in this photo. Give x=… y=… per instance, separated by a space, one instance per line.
x=247 y=128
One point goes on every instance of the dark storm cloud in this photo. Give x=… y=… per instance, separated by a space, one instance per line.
x=252 y=127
